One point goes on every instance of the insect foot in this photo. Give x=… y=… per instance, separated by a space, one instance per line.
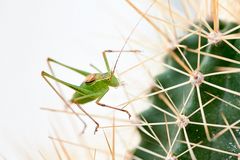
x=129 y=115
x=84 y=128
x=96 y=128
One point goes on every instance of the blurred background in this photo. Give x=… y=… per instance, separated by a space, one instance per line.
x=74 y=32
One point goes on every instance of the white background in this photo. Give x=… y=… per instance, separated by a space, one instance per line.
x=72 y=31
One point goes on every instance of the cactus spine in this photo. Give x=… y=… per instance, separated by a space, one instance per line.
x=196 y=100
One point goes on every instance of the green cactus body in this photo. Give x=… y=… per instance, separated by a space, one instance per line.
x=220 y=103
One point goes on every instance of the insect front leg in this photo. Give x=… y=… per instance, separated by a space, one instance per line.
x=96 y=68
x=114 y=51
x=107 y=106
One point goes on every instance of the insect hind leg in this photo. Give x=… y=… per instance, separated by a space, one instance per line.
x=97 y=124
x=64 y=101
x=59 y=88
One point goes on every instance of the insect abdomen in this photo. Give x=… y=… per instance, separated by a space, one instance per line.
x=78 y=98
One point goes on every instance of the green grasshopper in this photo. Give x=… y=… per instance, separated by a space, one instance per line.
x=94 y=87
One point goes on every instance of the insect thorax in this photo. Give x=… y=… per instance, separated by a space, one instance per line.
x=108 y=78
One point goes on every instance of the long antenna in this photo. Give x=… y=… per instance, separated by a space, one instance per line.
x=130 y=34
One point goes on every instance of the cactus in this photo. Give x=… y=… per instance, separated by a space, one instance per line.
x=195 y=111
x=196 y=101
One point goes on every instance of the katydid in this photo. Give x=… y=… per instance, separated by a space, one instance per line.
x=94 y=87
